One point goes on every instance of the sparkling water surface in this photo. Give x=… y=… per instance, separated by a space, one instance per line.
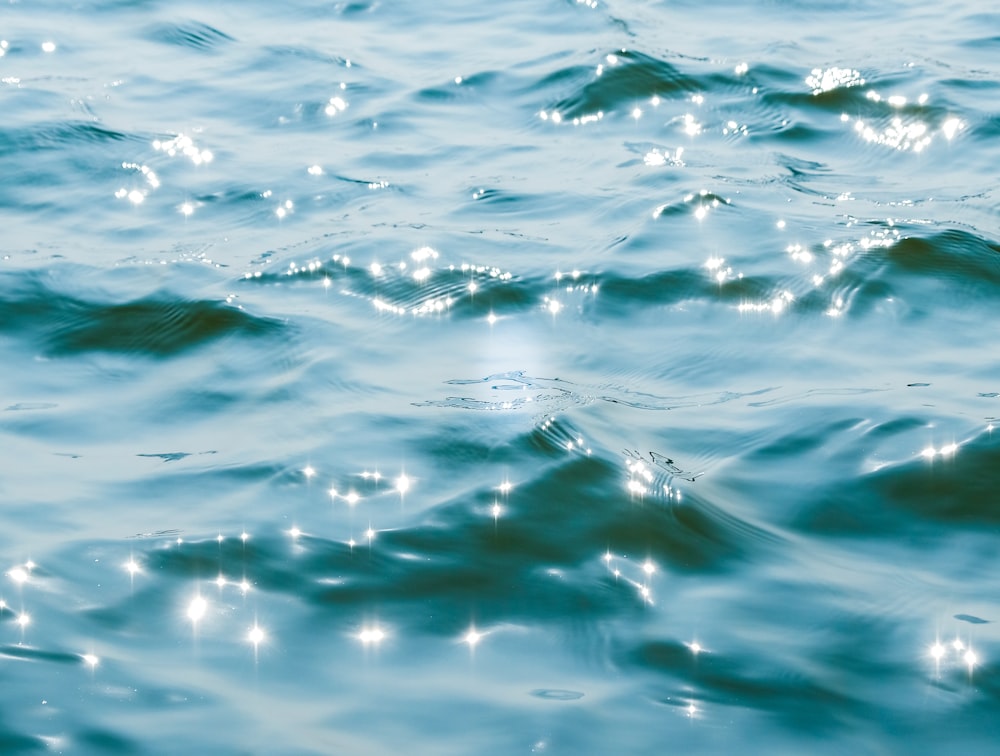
x=559 y=377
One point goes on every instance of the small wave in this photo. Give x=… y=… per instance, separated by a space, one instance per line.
x=158 y=325
x=193 y=35
x=625 y=77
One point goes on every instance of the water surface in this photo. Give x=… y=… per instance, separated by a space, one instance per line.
x=540 y=377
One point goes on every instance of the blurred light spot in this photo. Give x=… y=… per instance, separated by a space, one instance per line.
x=691 y=126
x=48 y=47
x=371 y=635
x=472 y=637
x=951 y=127
x=24 y=620
x=402 y=484
x=424 y=253
x=256 y=636
x=335 y=105
x=315 y=170
x=197 y=608
x=90 y=660
x=970 y=659
x=18 y=575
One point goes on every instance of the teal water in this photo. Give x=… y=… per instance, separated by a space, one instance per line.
x=564 y=377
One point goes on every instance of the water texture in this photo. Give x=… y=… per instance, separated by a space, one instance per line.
x=558 y=377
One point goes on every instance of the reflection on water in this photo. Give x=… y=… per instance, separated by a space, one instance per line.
x=715 y=287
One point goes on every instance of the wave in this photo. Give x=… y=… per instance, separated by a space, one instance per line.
x=157 y=325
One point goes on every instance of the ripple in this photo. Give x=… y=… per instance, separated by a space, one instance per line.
x=193 y=35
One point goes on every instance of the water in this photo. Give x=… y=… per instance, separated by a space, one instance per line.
x=537 y=377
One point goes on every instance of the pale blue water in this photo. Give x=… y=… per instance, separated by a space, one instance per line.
x=553 y=377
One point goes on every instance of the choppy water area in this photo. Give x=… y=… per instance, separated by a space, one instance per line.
x=538 y=377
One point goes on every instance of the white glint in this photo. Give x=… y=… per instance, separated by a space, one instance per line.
x=90 y=660
x=472 y=637
x=970 y=659
x=196 y=609
x=371 y=635
x=403 y=484
x=335 y=105
x=48 y=47
x=256 y=636
x=951 y=127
